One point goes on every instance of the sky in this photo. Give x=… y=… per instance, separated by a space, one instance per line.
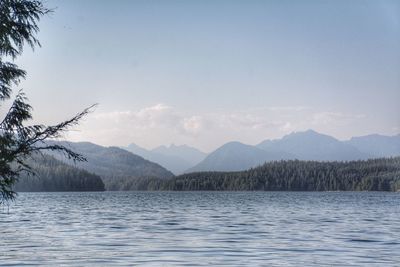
x=204 y=73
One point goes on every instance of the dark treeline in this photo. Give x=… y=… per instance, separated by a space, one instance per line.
x=54 y=175
x=294 y=175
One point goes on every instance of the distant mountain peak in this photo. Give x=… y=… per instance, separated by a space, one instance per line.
x=309 y=135
x=310 y=131
x=375 y=135
x=234 y=143
x=307 y=132
x=135 y=146
x=175 y=146
x=176 y=158
x=236 y=156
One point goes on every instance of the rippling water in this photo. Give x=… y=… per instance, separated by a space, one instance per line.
x=201 y=229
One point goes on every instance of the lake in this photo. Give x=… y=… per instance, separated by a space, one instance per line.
x=201 y=229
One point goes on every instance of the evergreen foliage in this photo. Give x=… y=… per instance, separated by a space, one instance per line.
x=19 y=26
x=294 y=175
x=54 y=175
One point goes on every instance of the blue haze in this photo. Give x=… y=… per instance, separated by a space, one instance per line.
x=339 y=57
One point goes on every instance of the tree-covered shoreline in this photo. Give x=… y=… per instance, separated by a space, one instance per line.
x=293 y=175
x=52 y=175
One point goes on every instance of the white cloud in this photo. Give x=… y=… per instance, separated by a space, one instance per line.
x=286 y=127
x=193 y=124
x=163 y=124
x=326 y=118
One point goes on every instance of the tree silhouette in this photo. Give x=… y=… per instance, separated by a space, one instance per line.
x=19 y=26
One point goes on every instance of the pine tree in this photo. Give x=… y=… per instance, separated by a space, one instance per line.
x=18 y=27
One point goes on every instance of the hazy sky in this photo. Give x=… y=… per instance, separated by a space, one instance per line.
x=207 y=72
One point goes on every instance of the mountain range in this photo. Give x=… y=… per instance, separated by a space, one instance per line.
x=120 y=169
x=126 y=169
x=307 y=145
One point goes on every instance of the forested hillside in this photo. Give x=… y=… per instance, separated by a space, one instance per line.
x=294 y=175
x=117 y=167
x=54 y=175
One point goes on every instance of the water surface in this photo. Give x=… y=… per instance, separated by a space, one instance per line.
x=201 y=229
